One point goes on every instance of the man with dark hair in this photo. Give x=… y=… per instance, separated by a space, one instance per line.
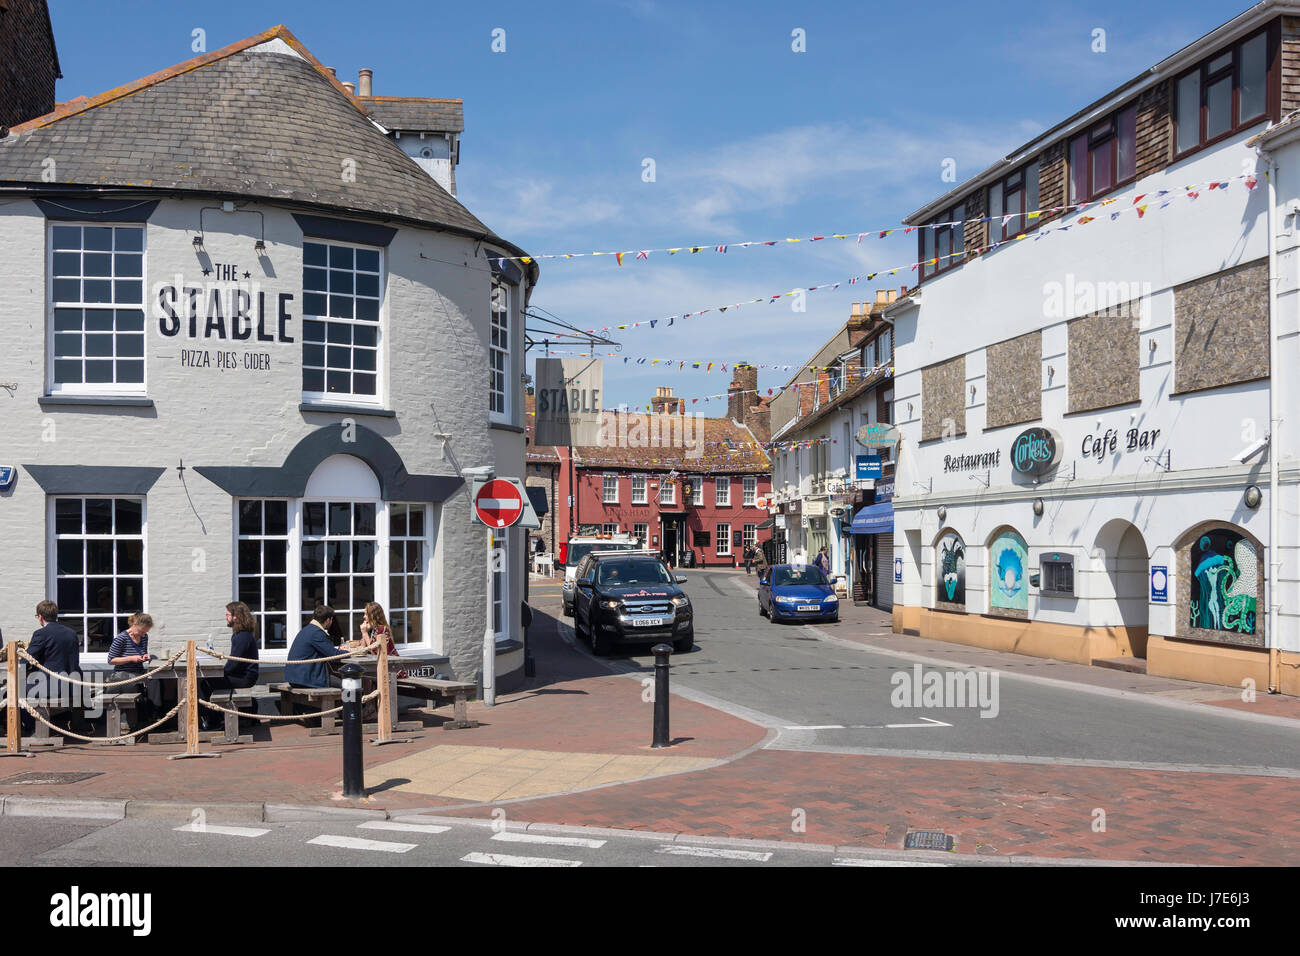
x=56 y=646
x=312 y=642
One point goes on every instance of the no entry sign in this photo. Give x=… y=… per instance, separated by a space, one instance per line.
x=498 y=504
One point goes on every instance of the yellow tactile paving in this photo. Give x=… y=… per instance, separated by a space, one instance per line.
x=495 y=773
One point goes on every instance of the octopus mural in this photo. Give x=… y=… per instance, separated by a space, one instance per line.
x=1007 y=559
x=1225 y=582
x=952 y=570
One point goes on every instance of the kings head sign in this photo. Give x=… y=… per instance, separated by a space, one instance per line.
x=1035 y=452
x=877 y=434
x=569 y=401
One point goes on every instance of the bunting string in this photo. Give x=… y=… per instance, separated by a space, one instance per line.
x=1140 y=205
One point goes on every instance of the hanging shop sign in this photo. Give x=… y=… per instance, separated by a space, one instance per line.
x=877 y=435
x=884 y=490
x=568 y=402
x=868 y=466
x=1035 y=453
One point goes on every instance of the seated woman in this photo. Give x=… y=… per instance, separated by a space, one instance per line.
x=128 y=655
x=236 y=674
x=374 y=629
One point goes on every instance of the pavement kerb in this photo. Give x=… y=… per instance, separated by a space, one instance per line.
x=212 y=812
x=83 y=807
x=288 y=813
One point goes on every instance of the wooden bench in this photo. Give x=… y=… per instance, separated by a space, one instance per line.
x=42 y=738
x=240 y=699
x=313 y=698
x=439 y=691
x=117 y=705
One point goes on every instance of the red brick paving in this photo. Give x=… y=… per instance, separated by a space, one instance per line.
x=991 y=808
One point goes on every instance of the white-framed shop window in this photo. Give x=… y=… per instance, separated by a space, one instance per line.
x=724 y=540
x=638 y=489
x=609 y=490
x=96 y=565
x=642 y=532
x=722 y=492
x=750 y=491
x=500 y=384
x=96 y=309
x=609 y=529
x=749 y=535
x=697 y=492
x=667 y=492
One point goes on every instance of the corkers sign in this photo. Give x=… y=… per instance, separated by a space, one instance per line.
x=1035 y=453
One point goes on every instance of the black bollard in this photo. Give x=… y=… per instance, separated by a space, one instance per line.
x=354 y=779
x=661 y=653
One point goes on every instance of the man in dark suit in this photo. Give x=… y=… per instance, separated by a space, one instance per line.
x=57 y=647
x=312 y=642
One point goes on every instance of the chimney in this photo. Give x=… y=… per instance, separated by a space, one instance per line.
x=348 y=86
x=883 y=298
x=331 y=69
x=363 y=82
x=665 y=402
x=857 y=308
x=743 y=390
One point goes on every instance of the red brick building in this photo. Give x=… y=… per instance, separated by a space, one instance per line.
x=681 y=482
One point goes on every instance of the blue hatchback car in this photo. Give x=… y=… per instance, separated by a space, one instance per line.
x=797 y=592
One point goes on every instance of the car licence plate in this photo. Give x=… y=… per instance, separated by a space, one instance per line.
x=647 y=622
x=809 y=607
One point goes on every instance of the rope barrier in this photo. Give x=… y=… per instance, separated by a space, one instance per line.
x=213 y=652
x=87 y=683
x=315 y=713
x=103 y=740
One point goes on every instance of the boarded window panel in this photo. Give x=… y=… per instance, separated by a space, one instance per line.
x=943 y=409
x=1221 y=328
x=1014 y=386
x=1103 y=358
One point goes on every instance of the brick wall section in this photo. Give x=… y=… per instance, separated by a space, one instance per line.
x=943 y=391
x=27 y=62
x=1290 y=64
x=545 y=476
x=1221 y=328
x=1103 y=359
x=1154 y=130
x=1014 y=382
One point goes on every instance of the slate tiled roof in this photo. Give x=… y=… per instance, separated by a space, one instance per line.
x=413 y=113
x=263 y=124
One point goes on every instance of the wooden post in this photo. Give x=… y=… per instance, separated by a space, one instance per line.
x=381 y=677
x=191 y=707
x=14 y=725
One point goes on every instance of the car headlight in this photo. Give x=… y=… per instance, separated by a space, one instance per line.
x=682 y=601
x=612 y=605
x=787 y=600
x=831 y=599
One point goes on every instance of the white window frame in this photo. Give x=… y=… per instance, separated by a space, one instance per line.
x=667 y=492
x=100 y=388
x=327 y=397
x=52 y=563
x=609 y=528
x=722 y=492
x=296 y=614
x=642 y=530
x=749 y=535
x=292 y=581
x=501 y=603
x=639 y=496
x=607 y=483
x=723 y=543
x=506 y=393
x=749 y=494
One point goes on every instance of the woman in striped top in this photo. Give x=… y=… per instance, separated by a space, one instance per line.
x=128 y=655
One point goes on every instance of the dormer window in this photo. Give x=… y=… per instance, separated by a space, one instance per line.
x=1104 y=157
x=1010 y=202
x=943 y=241
x=1224 y=94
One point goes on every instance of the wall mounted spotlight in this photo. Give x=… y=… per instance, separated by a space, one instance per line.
x=198 y=243
x=942 y=513
x=1151 y=345
x=259 y=247
x=972 y=393
x=1038 y=507
x=1253 y=497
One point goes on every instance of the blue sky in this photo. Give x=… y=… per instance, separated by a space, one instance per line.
x=750 y=139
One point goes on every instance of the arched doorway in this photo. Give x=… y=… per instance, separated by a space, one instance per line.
x=1121 y=562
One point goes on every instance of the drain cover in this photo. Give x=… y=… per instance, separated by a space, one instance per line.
x=35 y=779
x=927 y=840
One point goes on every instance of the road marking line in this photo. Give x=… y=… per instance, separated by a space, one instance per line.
x=928 y=723
x=355 y=843
x=717 y=853
x=220 y=830
x=855 y=861
x=818 y=727
x=404 y=827
x=511 y=836
x=504 y=859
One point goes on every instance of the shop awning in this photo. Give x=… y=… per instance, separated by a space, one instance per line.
x=874 y=519
x=537 y=498
x=766 y=524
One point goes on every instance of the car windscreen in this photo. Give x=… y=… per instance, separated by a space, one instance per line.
x=619 y=573
x=796 y=576
x=579 y=551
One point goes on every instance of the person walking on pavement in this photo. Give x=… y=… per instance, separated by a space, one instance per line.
x=823 y=561
x=749 y=559
x=760 y=561
x=56 y=646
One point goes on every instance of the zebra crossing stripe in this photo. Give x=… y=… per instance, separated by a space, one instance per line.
x=403 y=827
x=221 y=830
x=509 y=836
x=504 y=859
x=716 y=853
x=355 y=843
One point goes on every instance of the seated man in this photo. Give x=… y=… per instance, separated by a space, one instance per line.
x=57 y=647
x=312 y=642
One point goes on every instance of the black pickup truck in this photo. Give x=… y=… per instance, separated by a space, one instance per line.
x=631 y=599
